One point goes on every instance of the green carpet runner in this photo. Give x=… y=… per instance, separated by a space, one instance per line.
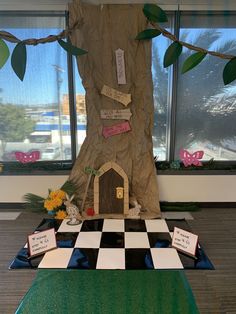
x=109 y=292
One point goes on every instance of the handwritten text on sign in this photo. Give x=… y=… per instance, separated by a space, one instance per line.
x=109 y=131
x=185 y=241
x=41 y=242
x=123 y=98
x=118 y=114
x=120 y=66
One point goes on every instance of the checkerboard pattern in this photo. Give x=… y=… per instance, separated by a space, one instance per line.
x=113 y=244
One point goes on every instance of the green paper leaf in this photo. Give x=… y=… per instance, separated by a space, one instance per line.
x=4 y=53
x=193 y=61
x=18 y=60
x=172 y=53
x=154 y=13
x=229 y=73
x=148 y=34
x=75 y=51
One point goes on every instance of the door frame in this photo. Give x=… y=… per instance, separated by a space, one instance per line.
x=107 y=166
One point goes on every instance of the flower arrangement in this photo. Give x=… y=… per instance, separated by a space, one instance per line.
x=53 y=204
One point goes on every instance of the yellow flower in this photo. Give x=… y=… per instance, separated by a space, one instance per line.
x=57 y=194
x=61 y=194
x=48 y=204
x=57 y=201
x=61 y=214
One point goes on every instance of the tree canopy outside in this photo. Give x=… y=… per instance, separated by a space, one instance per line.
x=14 y=125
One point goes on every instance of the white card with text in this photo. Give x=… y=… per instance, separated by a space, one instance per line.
x=41 y=242
x=120 y=66
x=184 y=241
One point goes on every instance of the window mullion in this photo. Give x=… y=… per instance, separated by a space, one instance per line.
x=171 y=130
x=72 y=104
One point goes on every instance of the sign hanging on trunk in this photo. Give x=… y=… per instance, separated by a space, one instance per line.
x=109 y=131
x=120 y=66
x=118 y=114
x=112 y=93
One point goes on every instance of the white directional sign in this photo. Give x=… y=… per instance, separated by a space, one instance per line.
x=112 y=93
x=118 y=114
x=120 y=66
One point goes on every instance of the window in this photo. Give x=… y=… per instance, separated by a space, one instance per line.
x=206 y=109
x=203 y=109
x=34 y=114
x=194 y=111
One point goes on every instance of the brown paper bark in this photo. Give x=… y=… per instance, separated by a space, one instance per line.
x=102 y=30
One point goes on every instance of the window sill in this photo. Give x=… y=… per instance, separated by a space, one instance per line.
x=195 y=172
x=37 y=168
x=207 y=168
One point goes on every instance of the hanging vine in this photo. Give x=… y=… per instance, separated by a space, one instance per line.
x=19 y=53
x=153 y=13
x=156 y=15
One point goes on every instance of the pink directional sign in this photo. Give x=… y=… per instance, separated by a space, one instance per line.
x=109 y=131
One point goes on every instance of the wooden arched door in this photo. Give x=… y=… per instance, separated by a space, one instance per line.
x=110 y=199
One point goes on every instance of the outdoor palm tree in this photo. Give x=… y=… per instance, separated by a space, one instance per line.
x=205 y=106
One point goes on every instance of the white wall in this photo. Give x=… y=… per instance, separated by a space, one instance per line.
x=173 y=188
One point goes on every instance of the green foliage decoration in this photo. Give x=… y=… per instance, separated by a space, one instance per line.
x=4 y=53
x=148 y=34
x=154 y=13
x=19 y=54
x=172 y=53
x=192 y=61
x=19 y=59
x=229 y=72
x=35 y=203
x=73 y=50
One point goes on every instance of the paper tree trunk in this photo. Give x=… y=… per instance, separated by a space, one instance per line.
x=101 y=31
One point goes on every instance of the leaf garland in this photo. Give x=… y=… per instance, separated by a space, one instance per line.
x=193 y=61
x=4 y=53
x=75 y=51
x=154 y=13
x=18 y=60
x=19 y=54
x=229 y=72
x=148 y=34
x=172 y=53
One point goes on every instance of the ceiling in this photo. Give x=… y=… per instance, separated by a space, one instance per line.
x=54 y=2
x=62 y=4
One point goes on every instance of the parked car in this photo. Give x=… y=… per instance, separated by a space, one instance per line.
x=67 y=153
x=51 y=152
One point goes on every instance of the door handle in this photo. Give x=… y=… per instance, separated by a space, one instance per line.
x=119 y=192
